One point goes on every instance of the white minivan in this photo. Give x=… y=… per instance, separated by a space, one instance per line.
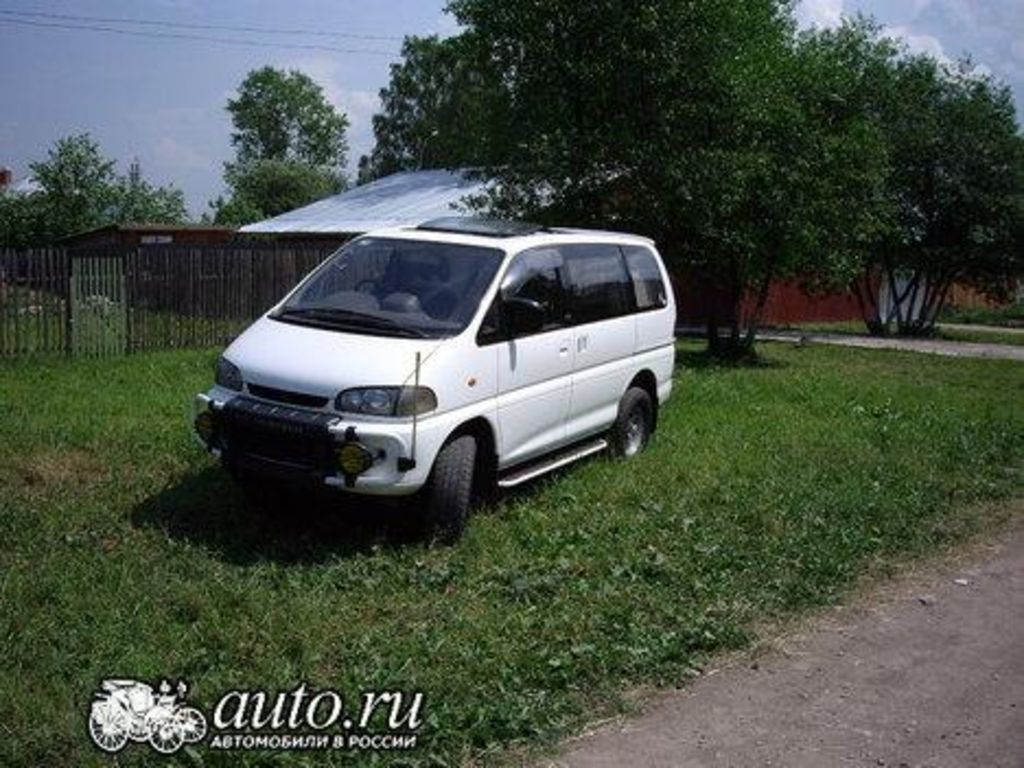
x=447 y=359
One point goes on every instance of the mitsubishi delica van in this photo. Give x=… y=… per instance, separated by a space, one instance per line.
x=446 y=359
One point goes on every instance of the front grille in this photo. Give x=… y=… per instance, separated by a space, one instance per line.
x=281 y=434
x=286 y=396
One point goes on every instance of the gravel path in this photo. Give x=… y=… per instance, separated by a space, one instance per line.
x=928 y=670
x=930 y=346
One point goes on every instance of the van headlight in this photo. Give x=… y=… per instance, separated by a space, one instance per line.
x=387 y=401
x=228 y=375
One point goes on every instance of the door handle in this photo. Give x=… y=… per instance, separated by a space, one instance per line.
x=563 y=349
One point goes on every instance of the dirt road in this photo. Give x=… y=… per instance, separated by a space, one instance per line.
x=927 y=670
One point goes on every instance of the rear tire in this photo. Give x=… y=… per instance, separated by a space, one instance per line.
x=634 y=424
x=449 y=494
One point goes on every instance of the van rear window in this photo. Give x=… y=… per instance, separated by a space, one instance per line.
x=648 y=287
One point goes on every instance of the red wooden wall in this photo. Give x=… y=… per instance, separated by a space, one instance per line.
x=788 y=303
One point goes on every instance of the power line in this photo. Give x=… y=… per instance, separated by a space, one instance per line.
x=202 y=38
x=186 y=25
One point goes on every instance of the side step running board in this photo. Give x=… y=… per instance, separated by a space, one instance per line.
x=530 y=471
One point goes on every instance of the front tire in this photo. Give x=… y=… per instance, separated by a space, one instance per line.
x=632 y=428
x=449 y=494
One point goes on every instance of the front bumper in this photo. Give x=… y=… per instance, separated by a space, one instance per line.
x=255 y=437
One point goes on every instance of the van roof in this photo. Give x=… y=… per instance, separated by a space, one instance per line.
x=471 y=225
x=507 y=235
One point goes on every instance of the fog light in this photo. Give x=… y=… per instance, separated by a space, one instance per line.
x=205 y=426
x=353 y=458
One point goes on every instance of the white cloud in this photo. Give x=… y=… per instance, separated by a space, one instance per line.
x=1017 y=51
x=930 y=45
x=178 y=144
x=326 y=71
x=919 y=43
x=819 y=13
x=446 y=25
x=918 y=6
x=964 y=15
x=169 y=152
x=360 y=106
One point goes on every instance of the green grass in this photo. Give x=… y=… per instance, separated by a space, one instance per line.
x=980 y=335
x=767 y=490
x=1012 y=315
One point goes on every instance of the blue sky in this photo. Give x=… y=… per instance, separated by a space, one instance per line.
x=162 y=100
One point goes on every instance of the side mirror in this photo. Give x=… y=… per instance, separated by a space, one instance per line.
x=522 y=316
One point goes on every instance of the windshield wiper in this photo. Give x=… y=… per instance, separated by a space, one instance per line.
x=352 y=319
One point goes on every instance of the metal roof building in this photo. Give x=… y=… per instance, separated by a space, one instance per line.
x=401 y=199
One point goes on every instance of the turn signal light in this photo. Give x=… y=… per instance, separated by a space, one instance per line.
x=205 y=426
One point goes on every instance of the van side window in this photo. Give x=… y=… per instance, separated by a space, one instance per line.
x=648 y=286
x=537 y=275
x=599 y=285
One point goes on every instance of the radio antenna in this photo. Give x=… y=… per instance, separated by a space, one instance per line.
x=405 y=464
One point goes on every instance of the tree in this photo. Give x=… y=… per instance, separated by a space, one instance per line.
x=443 y=108
x=22 y=224
x=956 y=181
x=133 y=199
x=290 y=147
x=76 y=186
x=703 y=125
x=284 y=116
x=267 y=188
x=79 y=190
x=805 y=176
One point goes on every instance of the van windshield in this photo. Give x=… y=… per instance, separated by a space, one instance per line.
x=394 y=287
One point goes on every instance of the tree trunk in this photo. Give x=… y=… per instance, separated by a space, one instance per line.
x=714 y=343
x=923 y=324
x=754 y=320
x=896 y=301
x=867 y=300
x=934 y=302
x=941 y=303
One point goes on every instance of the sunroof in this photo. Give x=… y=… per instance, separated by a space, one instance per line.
x=471 y=225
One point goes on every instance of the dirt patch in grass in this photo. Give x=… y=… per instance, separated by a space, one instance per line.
x=58 y=467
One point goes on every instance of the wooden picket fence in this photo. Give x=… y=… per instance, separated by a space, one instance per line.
x=34 y=293
x=114 y=300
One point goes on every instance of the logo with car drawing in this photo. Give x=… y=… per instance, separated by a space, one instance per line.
x=303 y=718
x=126 y=710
